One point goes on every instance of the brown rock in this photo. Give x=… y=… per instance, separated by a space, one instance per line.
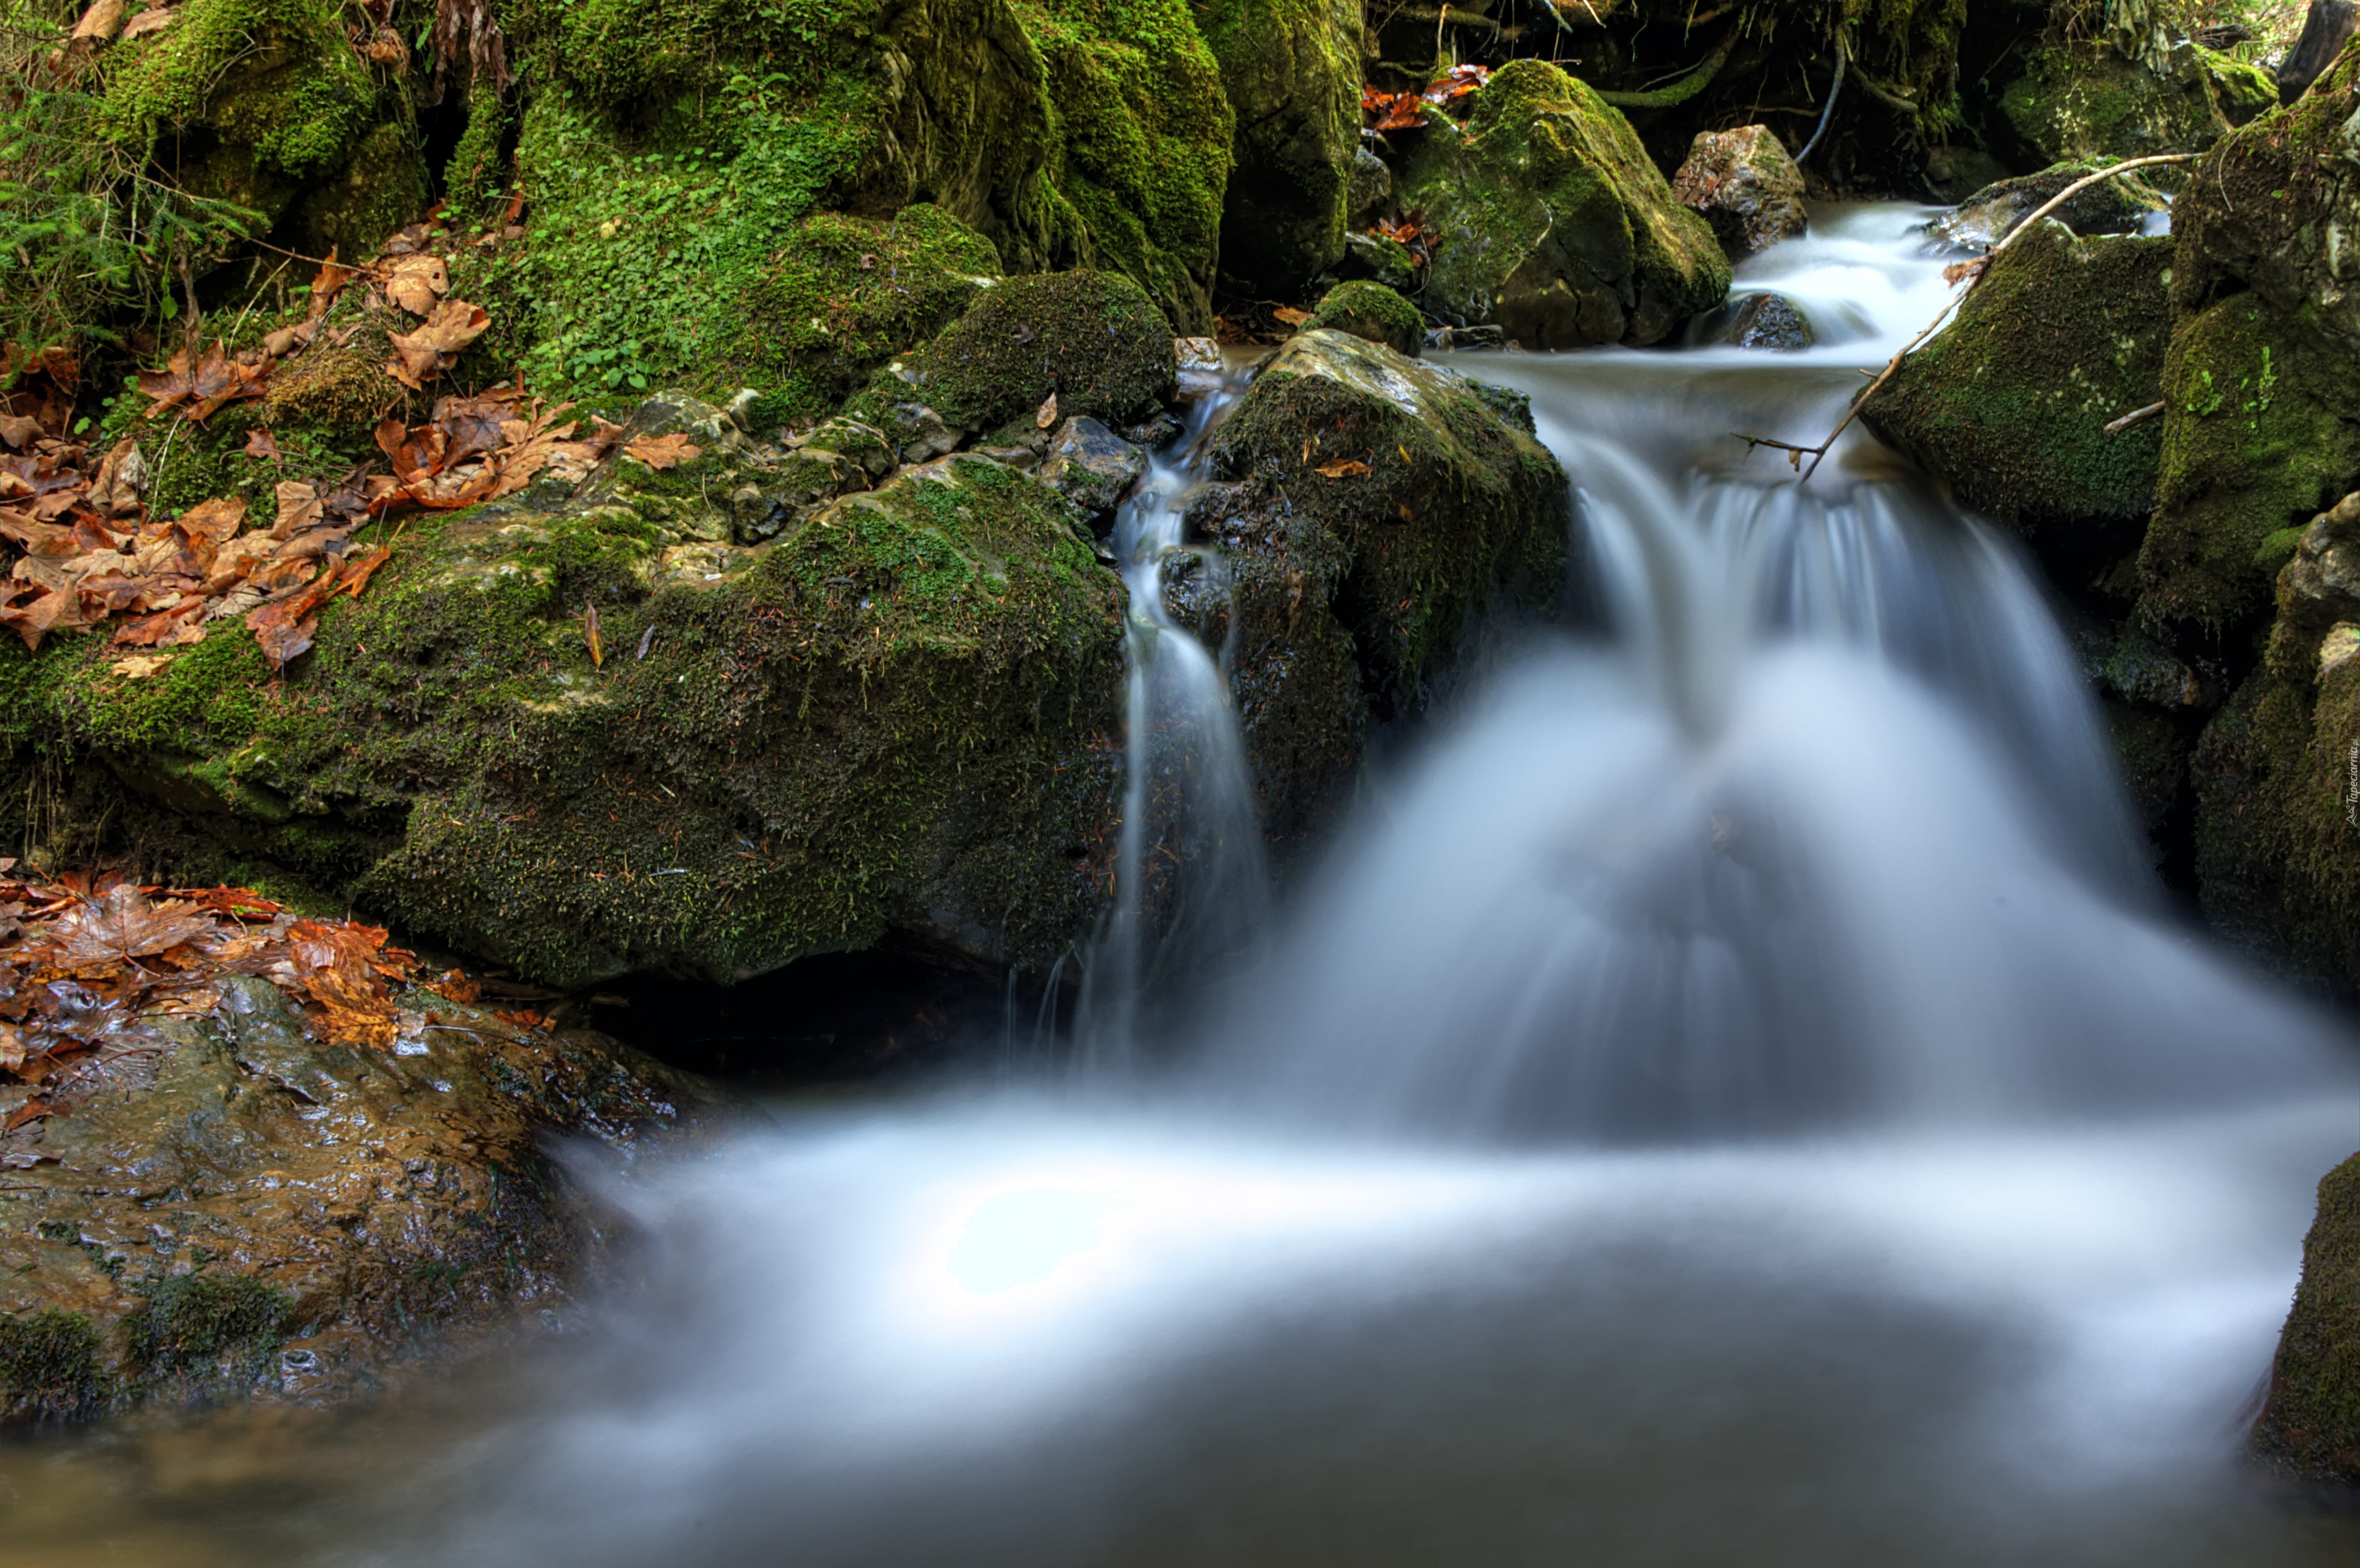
x=1745 y=185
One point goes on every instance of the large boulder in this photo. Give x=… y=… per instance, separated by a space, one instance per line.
x=1372 y=508
x=253 y=1208
x=2311 y=1424
x=1292 y=71
x=1745 y=185
x=1549 y=220
x=2080 y=101
x=2262 y=383
x=902 y=714
x=2011 y=402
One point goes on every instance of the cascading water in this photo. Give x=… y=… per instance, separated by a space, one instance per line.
x=1190 y=891
x=1472 y=1242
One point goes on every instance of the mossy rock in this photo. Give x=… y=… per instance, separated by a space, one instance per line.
x=1549 y=220
x=2311 y=1423
x=1374 y=311
x=2118 y=206
x=1291 y=73
x=257 y=1210
x=2009 y=403
x=903 y=715
x=383 y=186
x=1357 y=589
x=1094 y=339
x=2081 y=101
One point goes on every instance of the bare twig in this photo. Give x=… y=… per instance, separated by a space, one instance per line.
x=2136 y=417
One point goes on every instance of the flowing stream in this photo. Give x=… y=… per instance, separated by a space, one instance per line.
x=1734 y=1095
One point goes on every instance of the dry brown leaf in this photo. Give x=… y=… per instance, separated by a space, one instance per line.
x=1047 y=414
x=154 y=19
x=298 y=508
x=140 y=666
x=590 y=636
x=213 y=381
x=118 y=926
x=19 y=429
x=416 y=282
x=216 y=520
x=100 y=23
x=422 y=355
x=260 y=442
x=1291 y=316
x=1344 y=468
x=287 y=339
x=664 y=451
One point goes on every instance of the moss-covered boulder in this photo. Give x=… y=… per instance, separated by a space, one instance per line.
x=2311 y=1423
x=2081 y=101
x=1549 y=220
x=255 y=1209
x=1372 y=509
x=1374 y=311
x=1093 y=340
x=902 y=714
x=2125 y=206
x=1292 y=71
x=2010 y=403
x=2262 y=429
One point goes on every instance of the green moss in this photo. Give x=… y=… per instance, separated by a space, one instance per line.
x=383 y=187
x=1551 y=219
x=2010 y=402
x=50 y=1366
x=1096 y=340
x=2257 y=436
x=191 y=1319
x=2076 y=101
x=2312 y=1421
x=275 y=76
x=1374 y=311
x=1292 y=74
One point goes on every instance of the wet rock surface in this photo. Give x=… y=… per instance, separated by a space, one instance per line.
x=1760 y=321
x=1742 y=183
x=1375 y=510
x=2127 y=205
x=1550 y=220
x=1291 y=73
x=2311 y=1425
x=1092 y=466
x=1374 y=311
x=263 y=1212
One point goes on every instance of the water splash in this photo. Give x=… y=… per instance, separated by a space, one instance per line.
x=1191 y=889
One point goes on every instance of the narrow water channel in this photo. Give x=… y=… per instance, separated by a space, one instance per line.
x=1736 y=1095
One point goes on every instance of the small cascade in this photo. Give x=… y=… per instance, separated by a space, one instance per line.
x=1191 y=890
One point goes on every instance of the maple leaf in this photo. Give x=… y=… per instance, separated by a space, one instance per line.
x=357 y=571
x=285 y=627
x=260 y=442
x=18 y=430
x=215 y=520
x=54 y=610
x=1344 y=468
x=416 y=282
x=664 y=451
x=330 y=282
x=214 y=380
x=118 y=926
x=140 y=666
x=122 y=479
x=422 y=355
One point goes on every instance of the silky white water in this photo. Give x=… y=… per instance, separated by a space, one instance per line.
x=1734 y=1095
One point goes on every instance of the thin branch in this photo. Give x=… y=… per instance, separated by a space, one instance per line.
x=2137 y=417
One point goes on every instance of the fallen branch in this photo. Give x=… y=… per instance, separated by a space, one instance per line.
x=2136 y=417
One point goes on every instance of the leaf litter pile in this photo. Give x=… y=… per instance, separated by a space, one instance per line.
x=84 y=552
x=85 y=963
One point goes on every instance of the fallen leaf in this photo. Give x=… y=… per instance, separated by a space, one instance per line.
x=298 y=508
x=213 y=381
x=140 y=666
x=154 y=19
x=664 y=451
x=1344 y=468
x=416 y=282
x=1964 y=271
x=287 y=339
x=1291 y=316
x=216 y=520
x=19 y=429
x=590 y=636
x=119 y=926
x=422 y=355
x=100 y=23
x=30 y=1111
x=260 y=442
x=1046 y=415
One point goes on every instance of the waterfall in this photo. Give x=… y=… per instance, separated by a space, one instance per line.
x=1190 y=889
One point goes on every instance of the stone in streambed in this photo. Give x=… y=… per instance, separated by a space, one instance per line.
x=2124 y=205
x=1372 y=509
x=2311 y=1424
x=1374 y=311
x=1549 y=221
x=1092 y=466
x=1745 y=185
x=1756 y=321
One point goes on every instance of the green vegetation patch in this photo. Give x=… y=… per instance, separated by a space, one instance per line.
x=190 y=1321
x=50 y=1366
x=1374 y=311
x=1094 y=339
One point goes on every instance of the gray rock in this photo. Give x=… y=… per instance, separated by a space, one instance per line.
x=1091 y=465
x=1368 y=188
x=1155 y=434
x=2318 y=587
x=1767 y=321
x=1745 y=185
x=2123 y=206
x=919 y=434
x=776 y=496
x=1380 y=260
x=864 y=444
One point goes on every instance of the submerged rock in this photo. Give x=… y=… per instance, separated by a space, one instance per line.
x=1759 y=320
x=1291 y=73
x=1745 y=185
x=264 y=1212
x=1372 y=509
x=2126 y=205
x=2010 y=403
x=1549 y=220
x=1374 y=311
